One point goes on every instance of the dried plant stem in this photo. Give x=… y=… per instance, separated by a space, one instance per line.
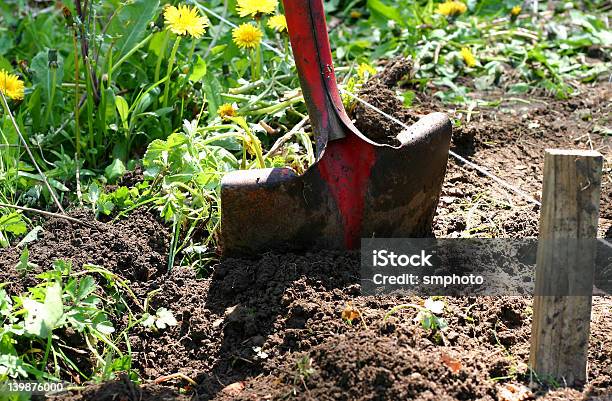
x=48 y=214
x=163 y=379
x=281 y=141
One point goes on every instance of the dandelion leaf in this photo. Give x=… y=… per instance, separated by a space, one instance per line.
x=130 y=24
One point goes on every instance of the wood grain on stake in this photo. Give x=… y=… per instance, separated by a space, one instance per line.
x=565 y=265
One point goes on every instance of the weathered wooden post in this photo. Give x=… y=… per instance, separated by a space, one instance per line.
x=565 y=265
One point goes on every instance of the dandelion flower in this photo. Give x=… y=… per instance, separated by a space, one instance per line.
x=278 y=23
x=247 y=36
x=255 y=8
x=516 y=10
x=11 y=86
x=185 y=21
x=451 y=8
x=468 y=57
x=365 y=68
x=226 y=110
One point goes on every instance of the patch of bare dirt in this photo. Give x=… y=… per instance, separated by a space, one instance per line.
x=507 y=138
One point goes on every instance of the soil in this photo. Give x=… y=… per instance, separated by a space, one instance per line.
x=136 y=248
x=380 y=92
x=508 y=139
x=124 y=389
x=130 y=179
x=272 y=328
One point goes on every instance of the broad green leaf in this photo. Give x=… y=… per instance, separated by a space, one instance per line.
x=24 y=262
x=581 y=19
x=519 y=88
x=54 y=305
x=57 y=185
x=30 y=237
x=44 y=76
x=12 y=366
x=213 y=89
x=408 y=98
x=115 y=170
x=87 y=285
x=142 y=104
x=5 y=303
x=241 y=66
x=218 y=49
x=130 y=24
x=4 y=63
x=163 y=111
x=123 y=109
x=13 y=223
x=155 y=158
x=101 y=324
x=106 y=207
x=198 y=71
x=9 y=137
x=42 y=317
x=491 y=8
x=383 y=10
x=158 y=42
x=53 y=182
x=122 y=194
x=94 y=193
x=122 y=364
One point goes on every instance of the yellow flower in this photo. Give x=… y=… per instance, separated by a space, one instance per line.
x=516 y=10
x=226 y=110
x=247 y=35
x=278 y=23
x=255 y=8
x=184 y=20
x=451 y=8
x=11 y=86
x=468 y=57
x=355 y=14
x=365 y=68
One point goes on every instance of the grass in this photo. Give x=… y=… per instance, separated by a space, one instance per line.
x=109 y=87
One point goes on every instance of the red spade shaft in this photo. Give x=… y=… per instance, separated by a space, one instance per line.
x=346 y=161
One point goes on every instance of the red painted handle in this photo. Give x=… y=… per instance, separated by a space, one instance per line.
x=313 y=58
x=347 y=163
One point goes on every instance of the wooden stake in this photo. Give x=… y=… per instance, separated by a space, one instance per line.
x=565 y=265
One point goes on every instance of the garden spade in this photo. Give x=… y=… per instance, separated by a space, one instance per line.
x=356 y=188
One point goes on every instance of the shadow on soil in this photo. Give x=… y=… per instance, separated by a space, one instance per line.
x=256 y=300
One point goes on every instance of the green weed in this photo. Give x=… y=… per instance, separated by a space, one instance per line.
x=41 y=326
